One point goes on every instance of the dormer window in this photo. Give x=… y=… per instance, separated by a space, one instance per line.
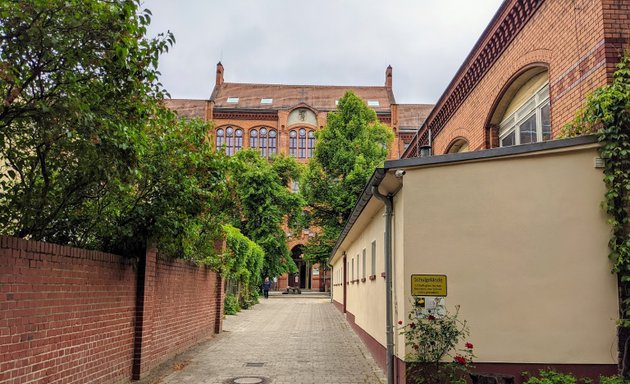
x=232 y=100
x=373 y=103
x=266 y=101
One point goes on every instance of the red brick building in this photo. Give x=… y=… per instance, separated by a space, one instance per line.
x=527 y=75
x=282 y=119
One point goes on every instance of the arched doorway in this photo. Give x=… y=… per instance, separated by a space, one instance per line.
x=302 y=278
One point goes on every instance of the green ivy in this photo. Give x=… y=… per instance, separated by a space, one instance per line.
x=607 y=114
x=243 y=264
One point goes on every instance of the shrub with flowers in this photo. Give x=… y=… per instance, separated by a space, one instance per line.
x=434 y=338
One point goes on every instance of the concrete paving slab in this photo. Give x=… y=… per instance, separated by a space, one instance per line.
x=284 y=339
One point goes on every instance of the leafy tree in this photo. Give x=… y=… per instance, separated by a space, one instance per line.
x=175 y=196
x=348 y=148
x=78 y=81
x=262 y=204
x=89 y=155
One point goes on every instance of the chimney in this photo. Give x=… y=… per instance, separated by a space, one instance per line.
x=388 y=78
x=219 y=79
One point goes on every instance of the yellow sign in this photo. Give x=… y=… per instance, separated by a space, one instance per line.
x=428 y=285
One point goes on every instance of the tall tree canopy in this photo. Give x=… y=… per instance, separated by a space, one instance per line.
x=351 y=145
x=89 y=157
x=263 y=205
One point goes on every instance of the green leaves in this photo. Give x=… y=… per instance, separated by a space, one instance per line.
x=607 y=113
x=89 y=156
x=262 y=203
x=351 y=145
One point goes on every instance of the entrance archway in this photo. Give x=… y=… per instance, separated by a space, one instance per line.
x=302 y=278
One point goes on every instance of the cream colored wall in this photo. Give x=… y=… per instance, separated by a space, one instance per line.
x=523 y=242
x=366 y=300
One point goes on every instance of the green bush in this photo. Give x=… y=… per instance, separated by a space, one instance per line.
x=231 y=305
x=551 y=377
x=612 y=380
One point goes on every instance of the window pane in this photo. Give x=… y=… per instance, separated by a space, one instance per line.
x=253 y=138
x=311 y=143
x=219 y=139
x=528 y=130
x=302 y=144
x=272 y=142
x=238 y=143
x=374 y=257
x=546 y=122
x=263 y=142
x=509 y=139
x=292 y=143
x=229 y=141
x=364 y=268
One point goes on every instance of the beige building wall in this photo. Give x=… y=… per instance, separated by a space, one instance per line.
x=523 y=242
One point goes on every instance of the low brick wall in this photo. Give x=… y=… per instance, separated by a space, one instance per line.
x=76 y=316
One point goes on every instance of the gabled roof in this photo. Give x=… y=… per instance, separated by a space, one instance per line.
x=187 y=108
x=319 y=97
x=411 y=116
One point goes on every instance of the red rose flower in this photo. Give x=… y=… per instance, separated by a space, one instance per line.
x=469 y=345
x=400 y=322
x=460 y=360
x=431 y=317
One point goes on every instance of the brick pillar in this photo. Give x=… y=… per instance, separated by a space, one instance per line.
x=219 y=247
x=145 y=290
x=219 y=304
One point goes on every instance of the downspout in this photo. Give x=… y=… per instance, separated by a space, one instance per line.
x=389 y=205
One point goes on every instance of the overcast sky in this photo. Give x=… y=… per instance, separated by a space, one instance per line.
x=324 y=42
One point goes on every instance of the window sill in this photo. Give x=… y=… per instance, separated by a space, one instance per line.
x=373 y=277
x=363 y=280
x=383 y=275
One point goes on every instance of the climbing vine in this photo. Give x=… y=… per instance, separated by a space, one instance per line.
x=607 y=114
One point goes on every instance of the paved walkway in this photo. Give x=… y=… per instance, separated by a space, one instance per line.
x=285 y=339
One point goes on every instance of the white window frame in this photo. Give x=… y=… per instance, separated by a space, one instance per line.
x=532 y=106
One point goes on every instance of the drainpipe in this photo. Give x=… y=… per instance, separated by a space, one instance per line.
x=389 y=205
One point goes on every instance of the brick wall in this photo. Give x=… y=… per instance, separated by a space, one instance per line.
x=578 y=41
x=73 y=316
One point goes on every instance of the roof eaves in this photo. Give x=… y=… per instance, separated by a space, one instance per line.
x=379 y=173
x=377 y=176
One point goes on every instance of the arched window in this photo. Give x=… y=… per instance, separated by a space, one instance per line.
x=238 y=142
x=273 y=142
x=253 y=138
x=220 y=138
x=459 y=145
x=292 y=143
x=311 y=143
x=263 y=142
x=229 y=138
x=523 y=113
x=302 y=143
x=265 y=139
x=229 y=141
